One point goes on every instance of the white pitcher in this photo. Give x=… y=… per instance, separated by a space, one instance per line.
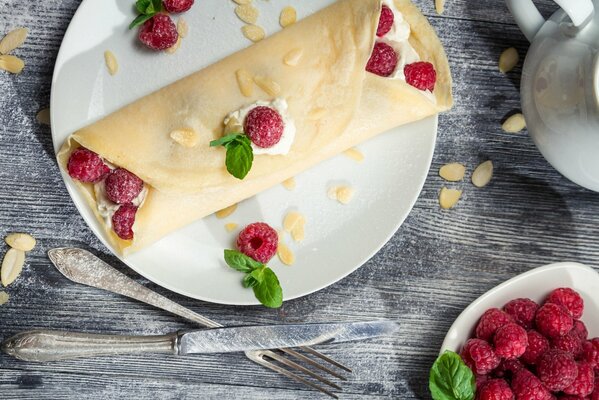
x=560 y=85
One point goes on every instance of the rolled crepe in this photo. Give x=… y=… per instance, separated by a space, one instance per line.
x=333 y=101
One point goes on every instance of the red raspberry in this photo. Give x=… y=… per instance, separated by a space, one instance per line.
x=495 y=389
x=385 y=22
x=537 y=345
x=570 y=397
x=508 y=368
x=264 y=126
x=86 y=166
x=258 y=241
x=523 y=311
x=570 y=343
x=490 y=321
x=123 y=220
x=481 y=380
x=581 y=330
x=568 y=298
x=595 y=394
x=421 y=75
x=123 y=186
x=590 y=352
x=553 y=320
x=177 y=6
x=526 y=386
x=479 y=356
x=159 y=32
x=584 y=384
x=383 y=60
x=557 y=369
x=510 y=341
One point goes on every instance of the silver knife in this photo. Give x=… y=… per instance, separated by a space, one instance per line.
x=47 y=345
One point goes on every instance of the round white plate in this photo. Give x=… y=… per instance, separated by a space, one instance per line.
x=338 y=238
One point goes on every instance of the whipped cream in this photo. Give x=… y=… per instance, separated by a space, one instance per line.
x=107 y=208
x=289 y=130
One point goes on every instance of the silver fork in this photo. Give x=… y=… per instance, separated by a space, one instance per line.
x=82 y=267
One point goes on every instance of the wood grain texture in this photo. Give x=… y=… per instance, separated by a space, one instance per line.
x=436 y=264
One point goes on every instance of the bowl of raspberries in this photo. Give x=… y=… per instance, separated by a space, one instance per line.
x=534 y=337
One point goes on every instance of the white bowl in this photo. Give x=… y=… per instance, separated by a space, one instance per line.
x=536 y=285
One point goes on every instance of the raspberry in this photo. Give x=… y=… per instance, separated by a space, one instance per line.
x=523 y=311
x=123 y=220
x=385 y=22
x=177 y=6
x=584 y=384
x=526 y=386
x=508 y=368
x=258 y=241
x=595 y=394
x=264 y=126
x=557 y=369
x=581 y=330
x=479 y=356
x=570 y=397
x=495 y=389
x=510 y=341
x=568 y=298
x=570 y=343
x=590 y=352
x=123 y=186
x=159 y=32
x=553 y=320
x=421 y=75
x=481 y=380
x=383 y=60
x=86 y=166
x=537 y=345
x=490 y=321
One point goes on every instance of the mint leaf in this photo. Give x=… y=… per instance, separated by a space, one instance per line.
x=249 y=281
x=140 y=20
x=226 y=140
x=241 y=262
x=240 y=157
x=451 y=379
x=143 y=5
x=268 y=290
x=147 y=9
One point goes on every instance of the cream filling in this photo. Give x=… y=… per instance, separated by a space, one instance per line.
x=289 y=130
x=106 y=208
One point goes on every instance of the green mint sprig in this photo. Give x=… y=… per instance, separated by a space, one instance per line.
x=147 y=9
x=258 y=276
x=240 y=155
x=451 y=379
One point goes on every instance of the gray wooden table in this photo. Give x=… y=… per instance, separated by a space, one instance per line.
x=433 y=267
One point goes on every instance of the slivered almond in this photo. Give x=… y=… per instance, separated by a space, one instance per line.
x=175 y=47
x=242 y=1
x=253 y=32
x=453 y=172
x=440 y=6
x=293 y=57
x=288 y=16
x=186 y=137
x=483 y=174
x=225 y=212
x=285 y=254
x=4 y=297
x=343 y=194
x=20 y=241
x=448 y=198
x=269 y=86
x=182 y=27
x=295 y=223
x=111 y=62
x=12 y=265
x=13 y=39
x=245 y=80
x=508 y=60
x=247 y=13
x=354 y=154
x=514 y=124
x=289 y=184
x=11 y=64
x=43 y=116
x=233 y=126
x=230 y=227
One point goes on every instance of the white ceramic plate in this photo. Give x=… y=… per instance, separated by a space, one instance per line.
x=536 y=285
x=338 y=238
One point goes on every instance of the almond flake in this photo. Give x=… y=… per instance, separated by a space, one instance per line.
x=245 y=80
x=269 y=86
x=295 y=223
x=285 y=254
x=11 y=64
x=354 y=154
x=448 y=198
x=293 y=57
x=111 y=63
x=514 y=124
x=13 y=39
x=288 y=16
x=20 y=241
x=440 y=6
x=186 y=137
x=175 y=47
x=343 y=194
x=453 y=172
x=4 y=297
x=508 y=60
x=230 y=227
x=253 y=32
x=12 y=265
x=247 y=13
x=483 y=174
x=43 y=116
x=289 y=184
x=182 y=27
x=233 y=126
x=225 y=212
x=242 y=1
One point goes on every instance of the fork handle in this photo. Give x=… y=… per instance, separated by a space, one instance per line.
x=47 y=345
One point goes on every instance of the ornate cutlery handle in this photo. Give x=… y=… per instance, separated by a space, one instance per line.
x=46 y=345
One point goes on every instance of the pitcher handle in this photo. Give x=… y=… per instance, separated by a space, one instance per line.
x=530 y=20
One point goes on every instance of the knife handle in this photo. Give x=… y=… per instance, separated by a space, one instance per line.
x=46 y=345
